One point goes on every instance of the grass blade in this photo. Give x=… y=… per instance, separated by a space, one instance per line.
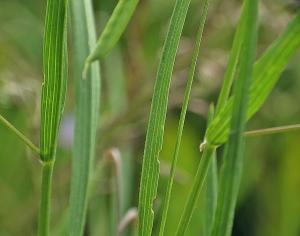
x=53 y=96
x=87 y=93
x=266 y=73
x=208 y=148
x=183 y=115
x=113 y=30
x=231 y=171
x=155 y=131
x=232 y=65
x=21 y=136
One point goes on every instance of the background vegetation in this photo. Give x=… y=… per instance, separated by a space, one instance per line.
x=269 y=197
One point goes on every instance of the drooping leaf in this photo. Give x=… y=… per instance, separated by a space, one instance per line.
x=112 y=32
x=155 y=131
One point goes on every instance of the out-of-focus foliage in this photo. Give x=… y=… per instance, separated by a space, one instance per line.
x=268 y=201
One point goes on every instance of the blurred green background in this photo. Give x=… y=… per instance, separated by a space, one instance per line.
x=270 y=191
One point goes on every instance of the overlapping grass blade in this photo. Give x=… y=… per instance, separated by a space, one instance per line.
x=113 y=30
x=87 y=93
x=155 y=131
x=267 y=71
x=183 y=114
x=231 y=171
x=53 y=96
x=243 y=32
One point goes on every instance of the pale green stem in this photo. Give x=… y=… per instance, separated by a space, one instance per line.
x=21 y=136
x=273 y=130
x=45 y=202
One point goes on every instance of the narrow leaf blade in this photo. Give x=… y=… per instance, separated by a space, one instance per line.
x=155 y=131
x=231 y=171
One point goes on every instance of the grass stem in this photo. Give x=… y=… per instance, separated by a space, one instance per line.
x=273 y=130
x=45 y=202
x=21 y=136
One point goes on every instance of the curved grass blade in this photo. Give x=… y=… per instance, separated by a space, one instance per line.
x=183 y=115
x=53 y=96
x=21 y=136
x=87 y=94
x=232 y=167
x=155 y=131
x=266 y=73
x=209 y=149
x=112 y=32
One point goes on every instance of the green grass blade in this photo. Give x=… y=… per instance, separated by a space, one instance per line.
x=113 y=30
x=183 y=115
x=155 y=131
x=87 y=94
x=208 y=148
x=21 y=136
x=231 y=171
x=266 y=73
x=53 y=96
x=232 y=64
x=206 y=167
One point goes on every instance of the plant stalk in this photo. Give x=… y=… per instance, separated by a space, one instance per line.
x=200 y=177
x=45 y=202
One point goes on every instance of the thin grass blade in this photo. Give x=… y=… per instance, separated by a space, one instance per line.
x=267 y=71
x=53 y=96
x=185 y=103
x=87 y=96
x=155 y=131
x=231 y=171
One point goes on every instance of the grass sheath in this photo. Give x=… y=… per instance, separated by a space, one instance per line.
x=231 y=170
x=53 y=96
x=21 y=136
x=87 y=97
x=183 y=115
x=155 y=131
